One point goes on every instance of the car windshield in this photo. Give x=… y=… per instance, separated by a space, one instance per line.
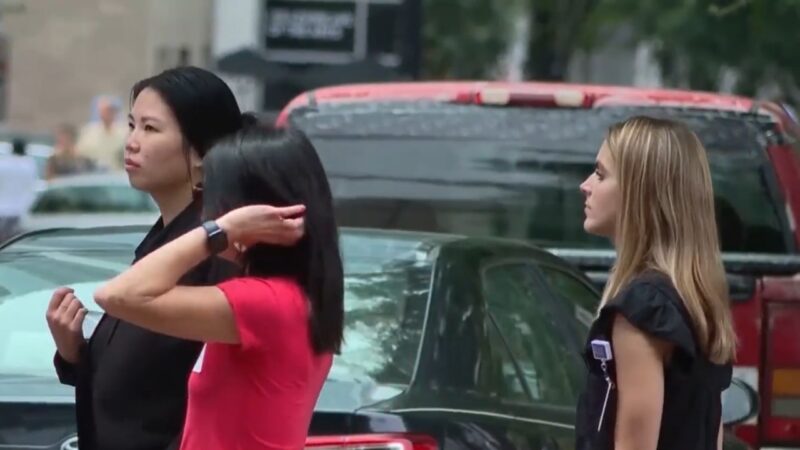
x=515 y=172
x=387 y=281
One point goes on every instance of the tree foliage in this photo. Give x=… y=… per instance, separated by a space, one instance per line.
x=557 y=29
x=696 y=39
x=467 y=38
x=464 y=38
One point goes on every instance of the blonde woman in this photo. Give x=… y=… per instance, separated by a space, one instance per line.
x=659 y=352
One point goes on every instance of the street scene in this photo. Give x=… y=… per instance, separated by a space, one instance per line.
x=399 y=224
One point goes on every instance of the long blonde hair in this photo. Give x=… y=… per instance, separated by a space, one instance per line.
x=666 y=222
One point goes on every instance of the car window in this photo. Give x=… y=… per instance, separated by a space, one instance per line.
x=498 y=373
x=581 y=299
x=515 y=172
x=531 y=325
x=387 y=287
x=93 y=199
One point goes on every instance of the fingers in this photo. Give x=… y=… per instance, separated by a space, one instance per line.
x=66 y=311
x=58 y=297
x=290 y=212
x=72 y=309
x=294 y=226
x=290 y=231
x=249 y=225
x=69 y=298
x=77 y=321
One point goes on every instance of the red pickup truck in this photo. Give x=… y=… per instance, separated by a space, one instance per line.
x=506 y=159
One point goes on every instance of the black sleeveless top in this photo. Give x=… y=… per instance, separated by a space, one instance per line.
x=692 y=384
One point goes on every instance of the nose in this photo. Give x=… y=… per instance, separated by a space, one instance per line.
x=132 y=142
x=584 y=187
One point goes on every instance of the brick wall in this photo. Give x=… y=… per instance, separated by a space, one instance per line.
x=64 y=53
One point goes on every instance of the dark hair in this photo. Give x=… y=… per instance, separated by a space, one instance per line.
x=203 y=104
x=19 y=146
x=258 y=165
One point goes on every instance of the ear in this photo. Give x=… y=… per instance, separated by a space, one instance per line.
x=195 y=160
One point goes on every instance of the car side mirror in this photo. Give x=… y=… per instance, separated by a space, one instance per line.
x=739 y=403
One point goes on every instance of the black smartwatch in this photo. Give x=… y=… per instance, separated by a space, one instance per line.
x=217 y=239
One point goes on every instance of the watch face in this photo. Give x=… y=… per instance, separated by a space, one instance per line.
x=217 y=239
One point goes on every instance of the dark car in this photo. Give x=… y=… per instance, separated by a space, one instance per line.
x=451 y=342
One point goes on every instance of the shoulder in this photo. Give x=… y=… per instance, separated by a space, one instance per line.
x=651 y=303
x=648 y=293
x=273 y=292
x=649 y=281
x=238 y=285
x=256 y=301
x=261 y=284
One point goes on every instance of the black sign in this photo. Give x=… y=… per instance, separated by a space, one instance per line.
x=311 y=26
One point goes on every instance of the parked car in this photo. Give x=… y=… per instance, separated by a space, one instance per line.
x=451 y=343
x=90 y=200
x=506 y=159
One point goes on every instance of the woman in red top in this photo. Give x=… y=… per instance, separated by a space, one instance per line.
x=270 y=334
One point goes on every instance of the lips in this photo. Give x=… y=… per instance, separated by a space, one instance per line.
x=130 y=163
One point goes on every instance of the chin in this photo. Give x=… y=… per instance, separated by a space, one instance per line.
x=592 y=228
x=587 y=226
x=134 y=182
x=139 y=184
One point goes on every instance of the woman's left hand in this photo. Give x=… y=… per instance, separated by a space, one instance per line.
x=255 y=224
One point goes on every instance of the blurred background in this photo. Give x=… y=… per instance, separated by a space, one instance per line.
x=416 y=163
x=67 y=67
x=58 y=58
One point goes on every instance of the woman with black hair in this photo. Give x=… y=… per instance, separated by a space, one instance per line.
x=130 y=383
x=270 y=333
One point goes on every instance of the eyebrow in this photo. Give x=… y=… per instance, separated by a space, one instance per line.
x=599 y=166
x=144 y=119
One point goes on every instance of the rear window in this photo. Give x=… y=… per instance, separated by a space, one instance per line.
x=93 y=199
x=387 y=282
x=387 y=287
x=514 y=172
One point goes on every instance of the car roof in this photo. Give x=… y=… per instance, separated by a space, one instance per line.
x=476 y=246
x=433 y=238
x=455 y=90
x=450 y=242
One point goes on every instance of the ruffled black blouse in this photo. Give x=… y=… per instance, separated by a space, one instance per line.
x=692 y=384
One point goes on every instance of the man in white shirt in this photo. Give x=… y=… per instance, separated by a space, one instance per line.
x=104 y=142
x=18 y=179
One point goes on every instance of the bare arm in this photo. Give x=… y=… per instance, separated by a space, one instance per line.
x=640 y=380
x=147 y=294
